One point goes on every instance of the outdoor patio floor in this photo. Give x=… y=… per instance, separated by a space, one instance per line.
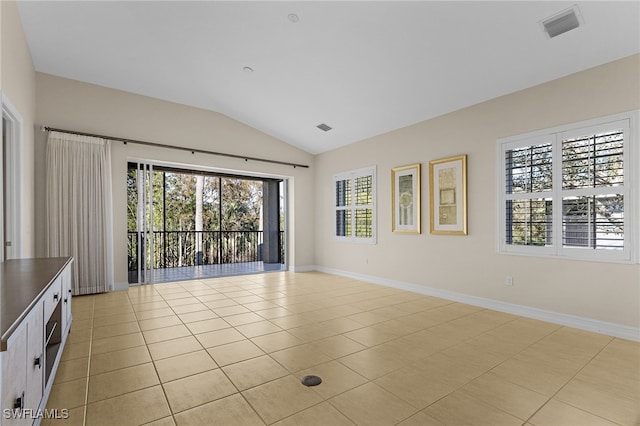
x=183 y=273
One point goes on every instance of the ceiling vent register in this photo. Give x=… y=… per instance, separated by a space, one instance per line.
x=562 y=22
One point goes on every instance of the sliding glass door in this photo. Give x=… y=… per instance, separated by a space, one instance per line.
x=140 y=222
x=187 y=224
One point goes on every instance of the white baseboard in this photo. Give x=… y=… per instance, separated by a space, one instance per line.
x=303 y=268
x=582 y=323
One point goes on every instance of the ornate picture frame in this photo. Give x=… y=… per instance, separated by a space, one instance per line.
x=405 y=199
x=448 y=195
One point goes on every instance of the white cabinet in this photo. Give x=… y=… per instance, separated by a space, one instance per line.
x=35 y=322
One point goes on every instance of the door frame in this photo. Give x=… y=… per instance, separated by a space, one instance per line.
x=146 y=273
x=12 y=185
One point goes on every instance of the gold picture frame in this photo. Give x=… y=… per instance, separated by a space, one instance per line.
x=405 y=199
x=448 y=195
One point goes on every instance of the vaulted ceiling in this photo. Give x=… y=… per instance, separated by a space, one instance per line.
x=363 y=68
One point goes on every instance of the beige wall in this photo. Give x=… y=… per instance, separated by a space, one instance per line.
x=470 y=265
x=73 y=105
x=18 y=86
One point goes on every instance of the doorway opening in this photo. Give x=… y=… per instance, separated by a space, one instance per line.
x=10 y=182
x=189 y=224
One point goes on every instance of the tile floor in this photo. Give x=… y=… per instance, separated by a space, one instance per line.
x=232 y=351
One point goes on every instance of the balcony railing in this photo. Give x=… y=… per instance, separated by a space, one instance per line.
x=173 y=249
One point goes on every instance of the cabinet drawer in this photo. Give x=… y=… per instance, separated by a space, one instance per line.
x=52 y=297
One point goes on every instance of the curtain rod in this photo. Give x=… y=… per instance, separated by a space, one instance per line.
x=181 y=148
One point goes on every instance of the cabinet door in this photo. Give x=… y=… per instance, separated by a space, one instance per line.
x=66 y=298
x=35 y=357
x=14 y=378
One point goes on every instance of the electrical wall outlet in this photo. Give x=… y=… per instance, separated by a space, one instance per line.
x=509 y=280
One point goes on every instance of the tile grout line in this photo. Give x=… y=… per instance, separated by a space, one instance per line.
x=152 y=363
x=570 y=380
x=474 y=378
x=289 y=373
x=86 y=391
x=173 y=414
x=238 y=392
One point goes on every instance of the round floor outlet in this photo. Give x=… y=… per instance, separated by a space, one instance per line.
x=311 y=380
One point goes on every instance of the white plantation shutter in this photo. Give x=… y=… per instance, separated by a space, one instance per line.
x=566 y=191
x=355 y=205
x=593 y=188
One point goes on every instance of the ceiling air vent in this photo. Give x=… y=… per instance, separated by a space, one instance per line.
x=324 y=127
x=562 y=22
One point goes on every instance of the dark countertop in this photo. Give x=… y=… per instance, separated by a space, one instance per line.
x=22 y=282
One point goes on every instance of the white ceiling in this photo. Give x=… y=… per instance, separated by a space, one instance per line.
x=364 y=68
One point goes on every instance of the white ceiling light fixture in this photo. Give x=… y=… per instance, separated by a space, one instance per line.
x=562 y=22
x=293 y=18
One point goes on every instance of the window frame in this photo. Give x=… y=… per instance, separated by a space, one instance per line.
x=351 y=176
x=629 y=254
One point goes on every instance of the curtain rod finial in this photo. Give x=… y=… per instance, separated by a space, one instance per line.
x=43 y=128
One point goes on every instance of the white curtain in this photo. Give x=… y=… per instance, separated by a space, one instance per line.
x=79 y=208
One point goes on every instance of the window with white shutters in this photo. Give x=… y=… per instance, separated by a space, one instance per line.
x=355 y=205
x=567 y=192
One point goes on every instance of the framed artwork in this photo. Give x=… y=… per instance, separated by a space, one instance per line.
x=448 y=195
x=405 y=199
